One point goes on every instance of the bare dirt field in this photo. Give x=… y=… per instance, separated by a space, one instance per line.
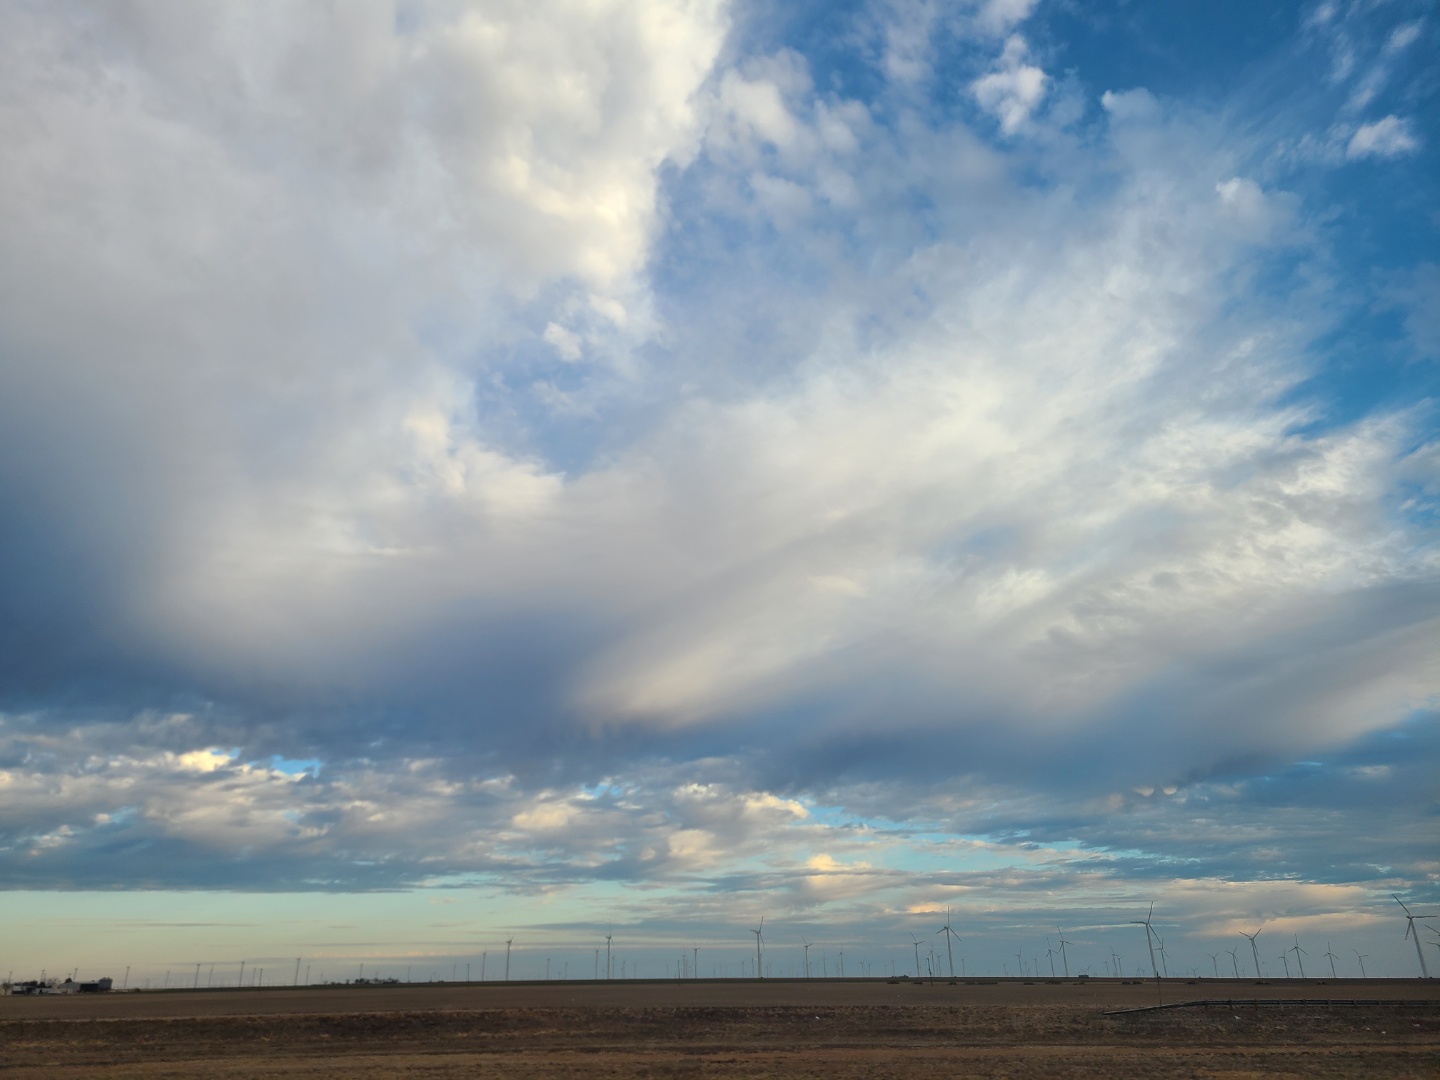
x=779 y=1028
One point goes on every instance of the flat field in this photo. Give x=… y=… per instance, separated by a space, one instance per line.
x=697 y=1028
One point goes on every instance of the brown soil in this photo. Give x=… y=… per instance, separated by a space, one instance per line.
x=736 y=1029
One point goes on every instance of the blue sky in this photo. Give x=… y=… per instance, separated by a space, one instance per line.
x=527 y=469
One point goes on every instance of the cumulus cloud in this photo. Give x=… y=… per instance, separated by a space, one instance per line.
x=911 y=34
x=1014 y=89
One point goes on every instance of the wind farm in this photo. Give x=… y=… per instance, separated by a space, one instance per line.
x=637 y=1009
x=784 y=950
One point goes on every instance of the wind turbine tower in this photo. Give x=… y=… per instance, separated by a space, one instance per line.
x=1254 y=949
x=916 y=941
x=609 y=968
x=807 y=957
x=949 y=935
x=1330 y=955
x=1149 y=939
x=1234 y=961
x=508 y=942
x=759 y=933
x=1410 y=932
x=1298 y=951
x=1063 y=958
x=1361 y=959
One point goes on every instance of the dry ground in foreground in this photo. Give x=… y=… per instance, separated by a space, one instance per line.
x=721 y=1040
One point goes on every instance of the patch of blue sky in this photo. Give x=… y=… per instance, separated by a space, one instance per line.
x=834 y=36
x=1195 y=50
x=939 y=852
x=606 y=790
x=1257 y=65
x=837 y=817
x=295 y=766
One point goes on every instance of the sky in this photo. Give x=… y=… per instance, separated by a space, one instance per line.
x=540 y=470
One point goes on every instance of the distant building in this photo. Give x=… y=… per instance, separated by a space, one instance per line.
x=69 y=986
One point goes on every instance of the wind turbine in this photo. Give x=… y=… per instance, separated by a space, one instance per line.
x=1286 y=961
x=1361 y=959
x=1063 y=958
x=807 y=956
x=1234 y=961
x=759 y=933
x=1331 y=955
x=1254 y=949
x=507 y=958
x=1050 y=955
x=949 y=935
x=1298 y=951
x=609 y=967
x=1145 y=922
x=1214 y=962
x=1164 y=967
x=916 y=942
x=1410 y=931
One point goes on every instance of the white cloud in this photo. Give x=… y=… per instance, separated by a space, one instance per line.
x=1000 y=16
x=1403 y=36
x=1137 y=104
x=908 y=30
x=1386 y=138
x=1014 y=90
x=565 y=342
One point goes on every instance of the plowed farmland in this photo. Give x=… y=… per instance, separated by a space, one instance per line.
x=821 y=1028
